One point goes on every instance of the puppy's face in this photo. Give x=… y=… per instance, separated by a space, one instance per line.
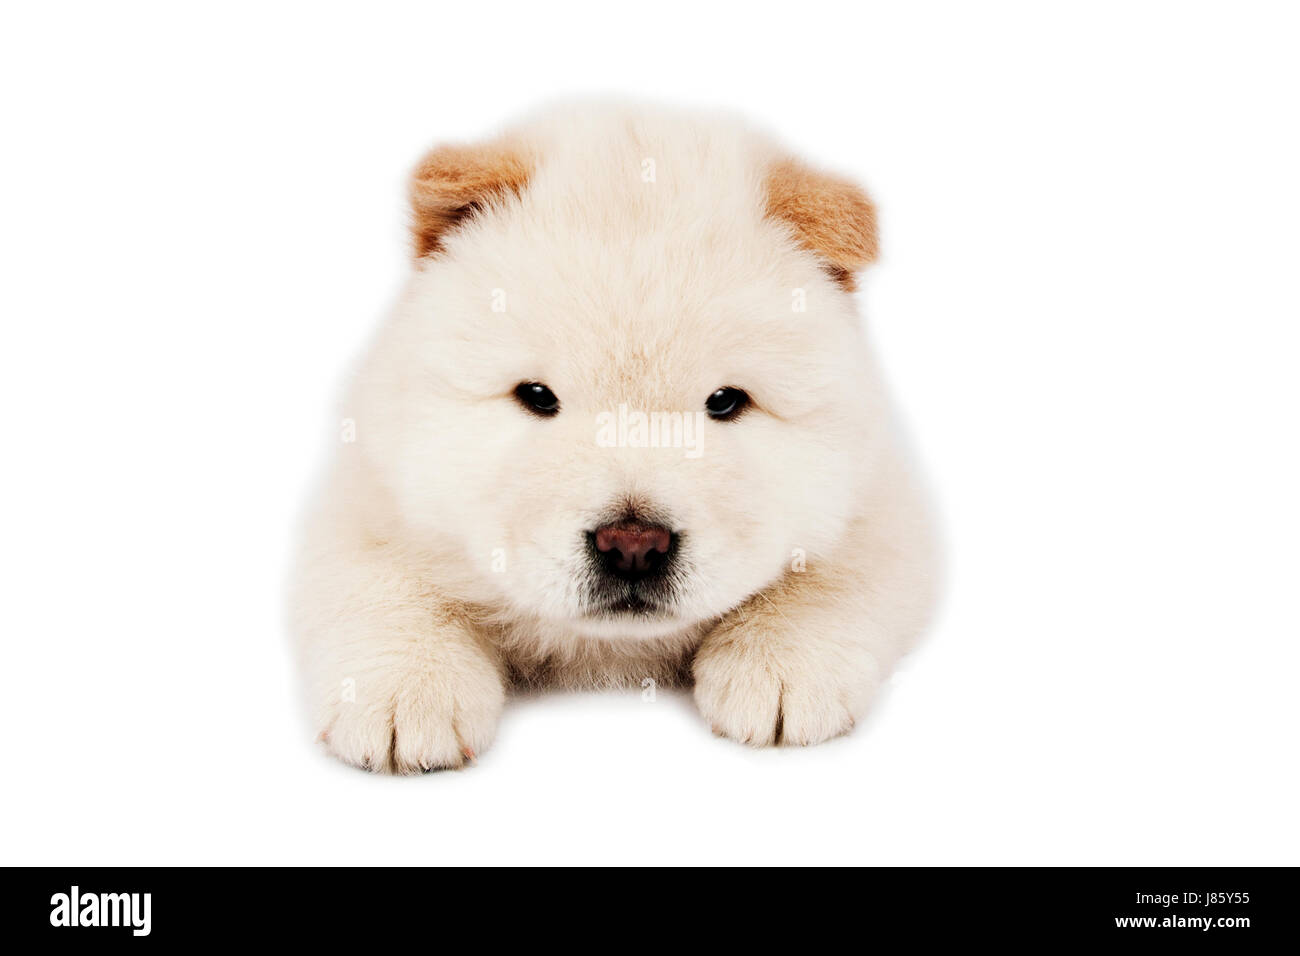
x=631 y=404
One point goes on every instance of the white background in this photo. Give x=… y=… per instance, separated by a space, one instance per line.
x=1087 y=308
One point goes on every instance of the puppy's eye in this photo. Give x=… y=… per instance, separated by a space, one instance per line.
x=537 y=398
x=726 y=403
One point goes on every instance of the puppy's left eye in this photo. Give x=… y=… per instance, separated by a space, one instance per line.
x=726 y=403
x=537 y=398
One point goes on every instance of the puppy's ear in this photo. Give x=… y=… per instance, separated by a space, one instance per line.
x=453 y=183
x=829 y=215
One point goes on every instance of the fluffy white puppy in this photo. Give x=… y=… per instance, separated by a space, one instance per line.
x=622 y=426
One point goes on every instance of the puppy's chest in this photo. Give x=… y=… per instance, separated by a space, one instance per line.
x=539 y=660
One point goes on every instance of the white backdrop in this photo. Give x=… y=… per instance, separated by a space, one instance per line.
x=1087 y=307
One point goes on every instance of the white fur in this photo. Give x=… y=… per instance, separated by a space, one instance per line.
x=617 y=290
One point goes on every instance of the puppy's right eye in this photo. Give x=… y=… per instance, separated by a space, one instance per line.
x=727 y=403
x=537 y=398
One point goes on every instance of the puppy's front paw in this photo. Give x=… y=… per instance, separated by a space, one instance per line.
x=416 y=720
x=749 y=690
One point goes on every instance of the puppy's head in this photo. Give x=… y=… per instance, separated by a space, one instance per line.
x=626 y=380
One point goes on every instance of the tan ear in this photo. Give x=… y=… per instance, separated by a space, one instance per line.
x=453 y=183
x=831 y=216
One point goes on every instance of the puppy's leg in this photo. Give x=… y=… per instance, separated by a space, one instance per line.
x=397 y=682
x=800 y=662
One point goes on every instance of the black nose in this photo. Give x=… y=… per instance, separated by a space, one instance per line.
x=633 y=550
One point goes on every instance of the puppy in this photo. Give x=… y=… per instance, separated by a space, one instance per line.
x=622 y=427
